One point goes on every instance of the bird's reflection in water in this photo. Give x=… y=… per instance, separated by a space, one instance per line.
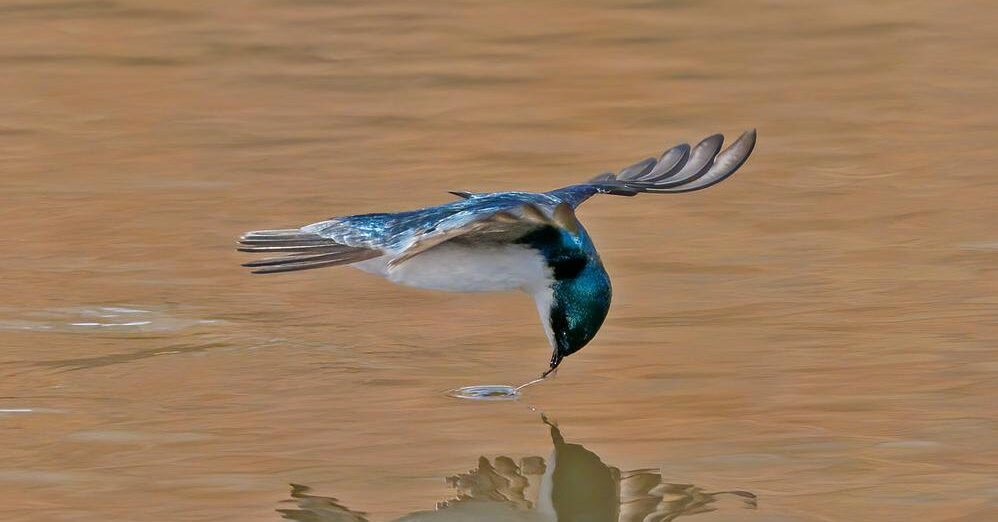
x=574 y=485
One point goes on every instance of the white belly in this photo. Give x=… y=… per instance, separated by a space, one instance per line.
x=461 y=268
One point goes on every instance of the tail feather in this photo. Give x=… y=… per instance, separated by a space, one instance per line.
x=304 y=248
x=307 y=251
x=298 y=259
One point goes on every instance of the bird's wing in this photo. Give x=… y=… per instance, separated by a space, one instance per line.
x=502 y=226
x=679 y=169
x=499 y=217
x=488 y=217
x=394 y=233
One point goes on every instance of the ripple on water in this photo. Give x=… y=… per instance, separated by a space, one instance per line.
x=11 y=412
x=486 y=392
x=100 y=318
x=121 y=436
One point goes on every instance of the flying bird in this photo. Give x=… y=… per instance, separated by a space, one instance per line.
x=496 y=241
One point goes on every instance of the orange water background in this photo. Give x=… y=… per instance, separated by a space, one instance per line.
x=819 y=330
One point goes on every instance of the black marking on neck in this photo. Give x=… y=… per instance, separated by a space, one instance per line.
x=568 y=267
x=565 y=257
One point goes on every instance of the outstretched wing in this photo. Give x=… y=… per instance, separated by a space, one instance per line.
x=496 y=218
x=679 y=169
x=502 y=226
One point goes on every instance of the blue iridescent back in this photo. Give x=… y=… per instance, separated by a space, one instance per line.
x=396 y=231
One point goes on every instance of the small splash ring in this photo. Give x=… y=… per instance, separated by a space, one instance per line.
x=486 y=392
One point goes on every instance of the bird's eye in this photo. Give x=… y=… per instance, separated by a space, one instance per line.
x=568 y=268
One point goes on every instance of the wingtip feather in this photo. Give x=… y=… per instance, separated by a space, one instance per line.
x=681 y=168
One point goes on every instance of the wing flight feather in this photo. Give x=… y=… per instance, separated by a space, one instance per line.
x=679 y=169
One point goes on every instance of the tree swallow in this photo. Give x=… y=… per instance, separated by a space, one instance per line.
x=496 y=241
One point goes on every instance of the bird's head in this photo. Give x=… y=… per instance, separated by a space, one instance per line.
x=576 y=302
x=580 y=302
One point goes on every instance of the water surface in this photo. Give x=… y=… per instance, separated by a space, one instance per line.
x=819 y=330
